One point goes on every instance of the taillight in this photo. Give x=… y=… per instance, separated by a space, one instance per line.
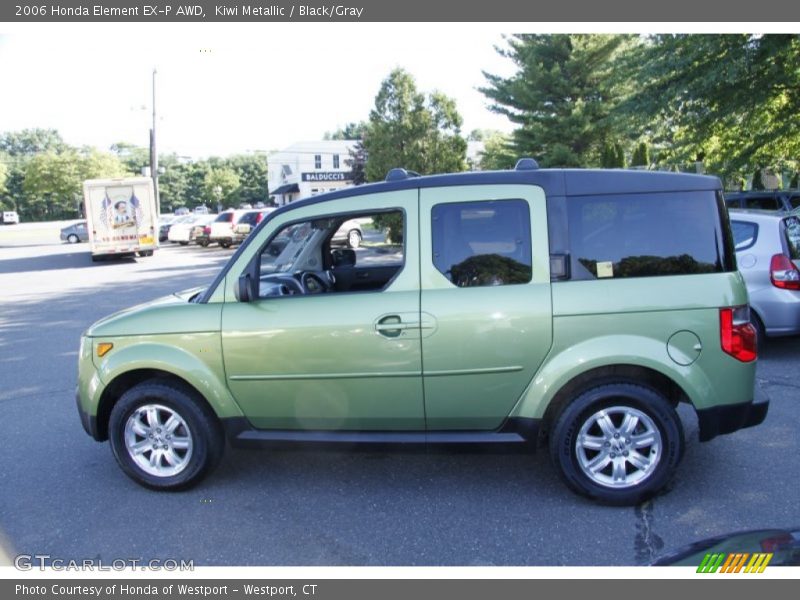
x=783 y=273
x=207 y=230
x=736 y=334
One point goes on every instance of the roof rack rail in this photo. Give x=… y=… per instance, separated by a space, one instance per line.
x=526 y=164
x=398 y=174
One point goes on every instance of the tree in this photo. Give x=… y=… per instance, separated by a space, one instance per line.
x=758 y=181
x=641 y=155
x=252 y=172
x=794 y=183
x=612 y=156
x=132 y=156
x=357 y=162
x=31 y=141
x=351 y=131
x=498 y=152
x=561 y=96
x=3 y=177
x=220 y=184
x=735 y=98
x=409 y=129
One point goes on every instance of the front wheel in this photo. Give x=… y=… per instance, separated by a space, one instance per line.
x=618 y=444
x=354 y=238
x=225 y=244
x=163 y=437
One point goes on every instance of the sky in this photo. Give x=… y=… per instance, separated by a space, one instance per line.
x=224 y=89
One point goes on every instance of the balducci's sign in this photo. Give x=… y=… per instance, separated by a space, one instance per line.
x=326 y=176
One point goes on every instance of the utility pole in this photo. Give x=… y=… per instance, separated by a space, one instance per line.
x=153 y=150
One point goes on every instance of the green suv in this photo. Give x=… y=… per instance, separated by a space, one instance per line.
x=572 y=309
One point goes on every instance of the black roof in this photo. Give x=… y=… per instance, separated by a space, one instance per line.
x=555 y=182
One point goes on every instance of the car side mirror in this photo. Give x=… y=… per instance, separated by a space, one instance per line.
x=343 y=257
x=245 y=290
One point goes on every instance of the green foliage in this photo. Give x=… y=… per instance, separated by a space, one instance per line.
x=641 y=155
x=794 y=183
x=391 y=224
x=351 y=131
x=409 y=129
x=53 y=181
x=612 y=156
x=357 y=162
x=31 y=141
x=561 y=95
x=489 y=269
x=734 y=98
x=221 y=184
x=498 y=152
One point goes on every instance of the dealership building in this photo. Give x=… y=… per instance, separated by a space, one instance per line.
x=309 y=168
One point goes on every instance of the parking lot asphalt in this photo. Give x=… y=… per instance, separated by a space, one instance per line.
x=62 y=494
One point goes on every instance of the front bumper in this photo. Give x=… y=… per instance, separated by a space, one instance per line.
x=728 y=418
x=88 y=421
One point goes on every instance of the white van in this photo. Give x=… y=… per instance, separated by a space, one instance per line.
x=10 y=217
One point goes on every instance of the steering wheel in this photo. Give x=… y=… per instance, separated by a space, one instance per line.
x=312 y=283
x=288 y=285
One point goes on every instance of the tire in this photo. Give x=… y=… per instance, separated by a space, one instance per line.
x=184 y=243
x=203 y=243
x=196 y=446
x=656 y=421
x=73 y=239
x=224 y=244
x=353 y=238
x=98 y=258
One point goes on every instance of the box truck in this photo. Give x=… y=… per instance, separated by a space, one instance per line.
x=121 y=216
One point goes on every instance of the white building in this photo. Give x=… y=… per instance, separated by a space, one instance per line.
x=309 y=168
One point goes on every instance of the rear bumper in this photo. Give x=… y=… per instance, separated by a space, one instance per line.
x=728 y=418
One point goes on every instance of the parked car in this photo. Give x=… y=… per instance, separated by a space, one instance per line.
x=571 y=309
x=182 y=230
x=181 y=211
x=776 y=200
x=201 y=210
x=350 y=233
x=248 y=222
x=9 y=217
x=75 y=233
x=222 y=227
x=768 y=255
x=164 y=223
x=201 y=233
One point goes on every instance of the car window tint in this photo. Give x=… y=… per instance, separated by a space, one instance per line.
x=224 y=218
x=482 y=243
x=795 y=201
x=744 y=234
x=643 y=235
x=763 y=203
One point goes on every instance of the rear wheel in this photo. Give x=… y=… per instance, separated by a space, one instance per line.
x=618 y=444
x=203 y=243
x=184 y=243
x=73 y=239
x=163 y=437
x=225 y=243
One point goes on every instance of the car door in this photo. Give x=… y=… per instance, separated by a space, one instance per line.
x=485 y=301
x=331 y=361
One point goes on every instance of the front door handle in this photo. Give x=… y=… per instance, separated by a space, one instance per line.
x=393 y=326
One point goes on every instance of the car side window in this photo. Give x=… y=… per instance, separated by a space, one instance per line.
x=351 y=253
x=482 y=243
x=744 y=234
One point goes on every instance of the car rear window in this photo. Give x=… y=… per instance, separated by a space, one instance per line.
x=763 y=203
x=645 y=235
x=744 y=234
x=792 y=229
x=794 y=200
x=224 y=218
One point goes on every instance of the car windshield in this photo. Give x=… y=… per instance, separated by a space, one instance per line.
x=225 y=217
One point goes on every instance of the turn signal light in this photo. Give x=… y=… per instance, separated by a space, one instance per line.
x=104 y=348
x=737 y=335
